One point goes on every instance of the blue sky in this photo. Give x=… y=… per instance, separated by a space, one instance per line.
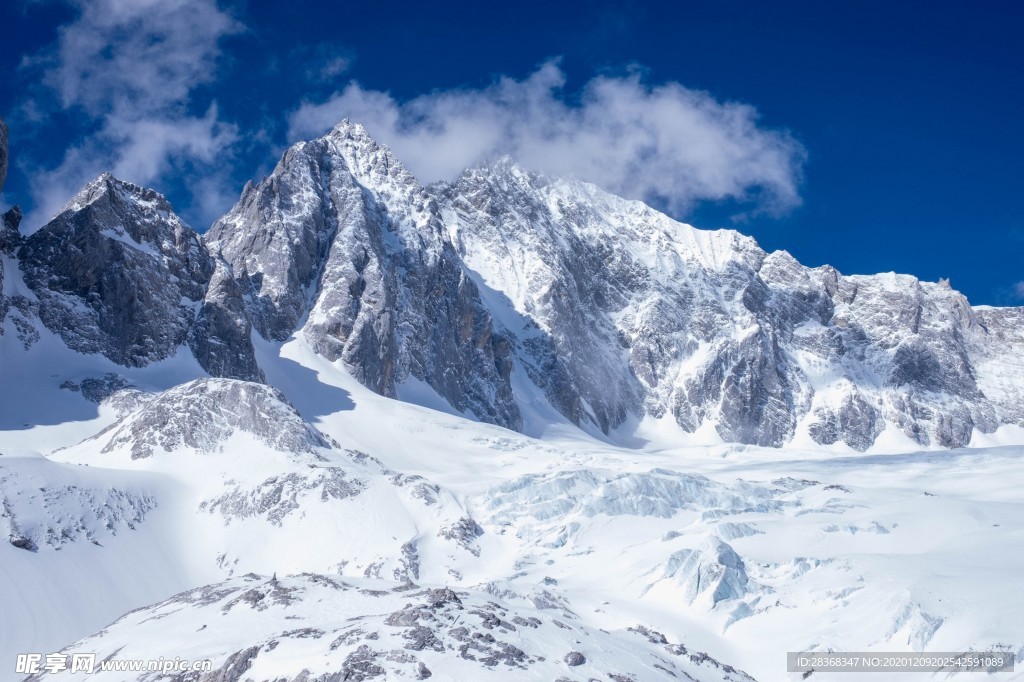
x=873 y=136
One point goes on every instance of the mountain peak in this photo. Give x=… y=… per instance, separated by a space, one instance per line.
x=121 y=193
x=117 y=272
x=500 y=170
x=373 y=164
x=354 y=137
x=348 y=129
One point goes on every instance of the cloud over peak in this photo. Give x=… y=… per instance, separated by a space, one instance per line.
x=663 y=143
x=141 y=77
x=131 y=68
x=137 y=54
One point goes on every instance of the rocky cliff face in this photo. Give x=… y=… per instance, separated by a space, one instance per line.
x=10 y=240
x=344 y=245
x=613 y=311
x=221 y=335
x=116 y=272
x=621 y=311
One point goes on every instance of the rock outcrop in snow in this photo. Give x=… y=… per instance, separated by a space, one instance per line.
x=323 y=628
x=45 y=505
x=204 y=413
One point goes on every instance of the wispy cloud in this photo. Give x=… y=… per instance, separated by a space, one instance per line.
x=661 y=142
x=132 y=68
x=322 y=63
x=1018 y=290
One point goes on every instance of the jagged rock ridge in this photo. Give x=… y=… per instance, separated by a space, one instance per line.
x=615 y=312
x=623 y=312
x=116 y=272
x=341 y=243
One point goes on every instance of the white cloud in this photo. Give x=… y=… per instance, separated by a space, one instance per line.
x=664 y=143
x=1018 y=290
x=131 y=67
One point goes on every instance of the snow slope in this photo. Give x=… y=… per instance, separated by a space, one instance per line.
x=328 y=628
x=741 y=552
x=490 y=429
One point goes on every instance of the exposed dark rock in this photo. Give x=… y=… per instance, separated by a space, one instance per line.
x=464 y=532
x=98 y=389
x=408 y=568
x=234 y=668
x=220 y=336
x=361 y=664
x=23 y=543
x=10 y=238
x=856 y=423
x=574 y=658
x=420 y=638
x=279 y=496
x=117 y=273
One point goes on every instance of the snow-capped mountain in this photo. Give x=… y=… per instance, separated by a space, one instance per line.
x=619 y=314
x=643 y=317
x=503 y=282
x=506 y=427
x=343 y=246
